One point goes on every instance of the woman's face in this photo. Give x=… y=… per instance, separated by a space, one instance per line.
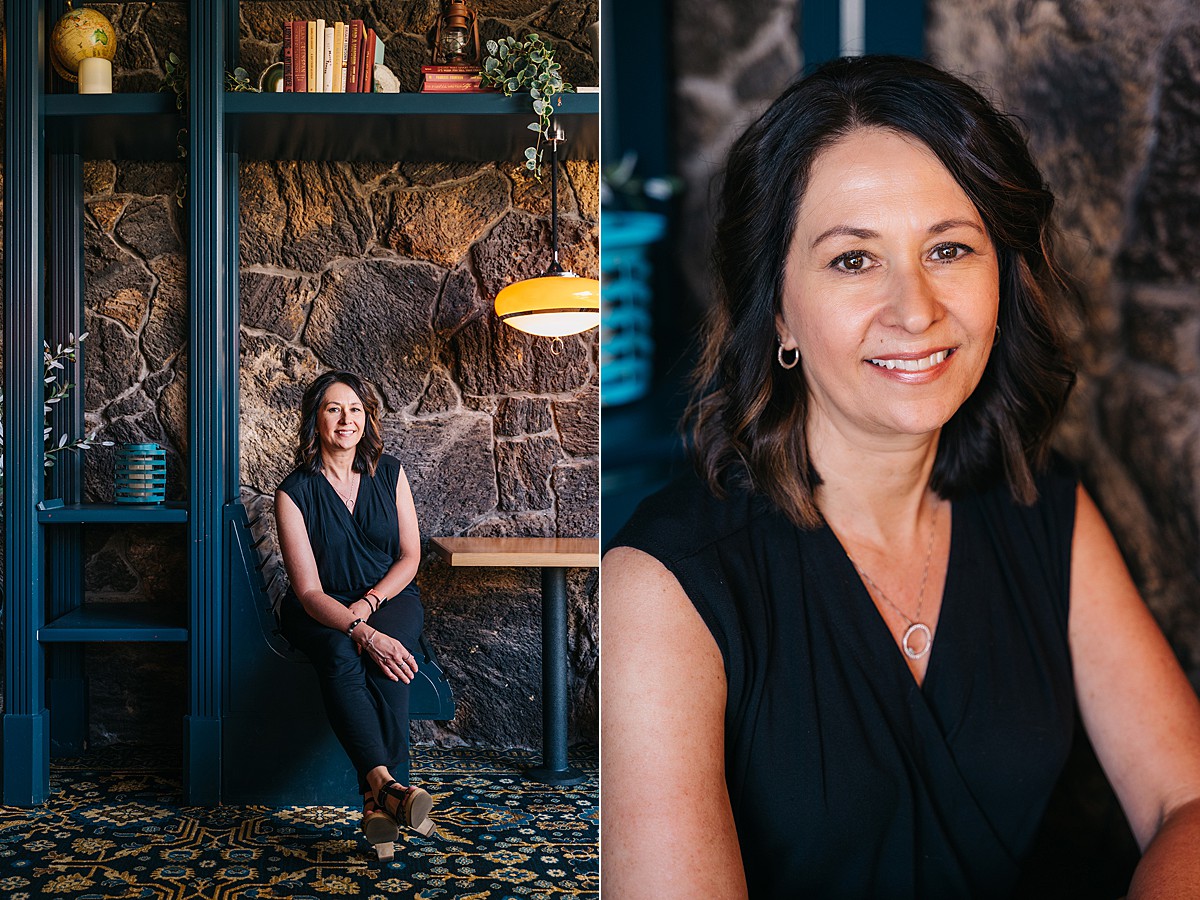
x=341 y=418
x=891 y=289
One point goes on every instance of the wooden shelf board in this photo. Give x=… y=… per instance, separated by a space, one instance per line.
x=566 y=553
x=128 y=513
x=113 y=126
x=411 y=126
x=117 y=622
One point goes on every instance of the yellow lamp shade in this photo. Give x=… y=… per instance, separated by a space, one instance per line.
x=551 y=305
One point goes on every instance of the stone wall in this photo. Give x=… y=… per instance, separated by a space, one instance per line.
x=388 y=270
x=1106 y=91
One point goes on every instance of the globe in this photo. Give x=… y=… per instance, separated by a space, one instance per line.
x=78 y=35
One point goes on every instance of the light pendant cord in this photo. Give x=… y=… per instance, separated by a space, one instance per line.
x=556 y=136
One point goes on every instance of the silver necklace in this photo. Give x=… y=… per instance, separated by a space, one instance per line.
x=912 y=648
x=349 y=501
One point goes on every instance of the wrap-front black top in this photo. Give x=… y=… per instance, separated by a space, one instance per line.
x=846 y=778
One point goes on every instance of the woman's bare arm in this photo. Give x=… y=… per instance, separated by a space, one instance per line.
x=1141 y=713
x=667 y=829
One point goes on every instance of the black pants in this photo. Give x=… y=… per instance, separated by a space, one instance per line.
x=367 y=710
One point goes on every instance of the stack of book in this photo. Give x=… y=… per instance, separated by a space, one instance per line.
x=330 y=59
x=451 y=79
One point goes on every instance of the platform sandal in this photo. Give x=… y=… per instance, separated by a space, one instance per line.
x=380 y=828
x=410 y=806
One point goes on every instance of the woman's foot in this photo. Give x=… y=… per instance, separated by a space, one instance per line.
x=380 y=828
x=407 y=805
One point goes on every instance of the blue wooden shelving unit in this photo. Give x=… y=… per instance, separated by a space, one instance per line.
x=47 y=137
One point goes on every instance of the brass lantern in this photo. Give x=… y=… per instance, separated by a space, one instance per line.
x=456 y=41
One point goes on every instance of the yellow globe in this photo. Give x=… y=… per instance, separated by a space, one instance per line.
x=78 y=35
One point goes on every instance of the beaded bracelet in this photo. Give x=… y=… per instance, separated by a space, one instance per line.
x=353 y=625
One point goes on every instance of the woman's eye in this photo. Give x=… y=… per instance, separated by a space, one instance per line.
x=855 y=261
x=948 y=252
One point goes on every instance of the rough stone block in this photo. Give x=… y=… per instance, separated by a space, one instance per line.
x=111 y=361
x=516 y=416
x=450 y=468
x=272 y=302
x=579 y=423
x=440 y=224
x=166 y=328
x=441 y=395
x=148 y=227
x=378 y=313
x=274 y=376
x=301 y=215
x=523 y=469
x=577 y=489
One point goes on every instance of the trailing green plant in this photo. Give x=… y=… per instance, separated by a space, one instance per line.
x=238 y=81
x=176 y=80
x=53 y=366
x=528 y=66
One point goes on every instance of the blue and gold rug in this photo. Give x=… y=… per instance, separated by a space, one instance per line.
x=114 y=829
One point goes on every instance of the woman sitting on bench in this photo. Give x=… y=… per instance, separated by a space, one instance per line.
x=350 y=542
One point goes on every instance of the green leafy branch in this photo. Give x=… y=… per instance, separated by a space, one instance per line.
x=53 y=365
x=514 y=66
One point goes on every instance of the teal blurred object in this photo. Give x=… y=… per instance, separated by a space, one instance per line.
x=140 y=474
x=626 y=317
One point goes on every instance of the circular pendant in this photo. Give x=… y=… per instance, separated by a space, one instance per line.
x=915 y=649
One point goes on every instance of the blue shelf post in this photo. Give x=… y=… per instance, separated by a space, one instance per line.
x=26 y=760
x=208 y=396
x=67 y=685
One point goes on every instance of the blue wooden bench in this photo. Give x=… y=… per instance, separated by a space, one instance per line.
x=277 y=747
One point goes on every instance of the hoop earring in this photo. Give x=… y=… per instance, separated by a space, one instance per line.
x=795 y=356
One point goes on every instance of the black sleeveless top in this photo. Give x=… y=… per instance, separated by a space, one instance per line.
x=352 y=550
x=846 y=778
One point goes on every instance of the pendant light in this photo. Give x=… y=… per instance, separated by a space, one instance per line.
x=558 y=302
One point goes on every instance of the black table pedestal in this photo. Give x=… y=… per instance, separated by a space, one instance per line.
x=554 y=769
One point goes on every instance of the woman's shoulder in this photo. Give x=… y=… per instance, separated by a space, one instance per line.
x=296 y=481
x=388 y=469
x=685 y=517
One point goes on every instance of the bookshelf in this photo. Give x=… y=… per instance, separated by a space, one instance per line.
x=48 y=135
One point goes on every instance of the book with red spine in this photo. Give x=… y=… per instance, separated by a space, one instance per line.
x=288 y=73
x=452 y=76
x=368 y=73
x=454 y=87
x=356 y=28
x=300 y=56
x=450 y=69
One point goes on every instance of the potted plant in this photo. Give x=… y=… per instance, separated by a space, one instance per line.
x=53 y=364
x=528 y=66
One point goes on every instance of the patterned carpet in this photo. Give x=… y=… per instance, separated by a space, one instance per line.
x=114 y=830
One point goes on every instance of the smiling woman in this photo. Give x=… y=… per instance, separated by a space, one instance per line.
x=351 y=546
x=845 y=660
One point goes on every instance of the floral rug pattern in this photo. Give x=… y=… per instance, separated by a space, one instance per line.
x=114 y=829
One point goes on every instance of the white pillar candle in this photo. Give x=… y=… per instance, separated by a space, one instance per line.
x=95 y=76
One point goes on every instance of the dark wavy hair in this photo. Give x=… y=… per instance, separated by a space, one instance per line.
x=747 y=415
x=370 y=447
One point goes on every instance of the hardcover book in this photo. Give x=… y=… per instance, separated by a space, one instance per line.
x=327 y=62
x=339 y=50
x=289 y=71
x=300 y=55
x=311 y=46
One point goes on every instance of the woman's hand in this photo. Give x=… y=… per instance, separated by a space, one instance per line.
x=390 y=655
